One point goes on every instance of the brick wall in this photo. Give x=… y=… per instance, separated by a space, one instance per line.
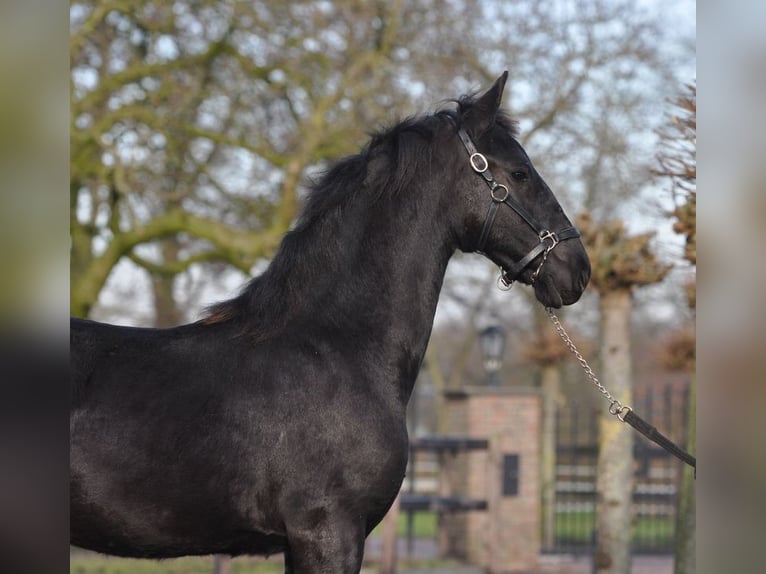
x=505 y=537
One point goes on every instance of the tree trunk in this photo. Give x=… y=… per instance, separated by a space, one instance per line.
x=166 y=312
x=550 y=380
x=221 y=564
x=615 y=460
x=685 y=562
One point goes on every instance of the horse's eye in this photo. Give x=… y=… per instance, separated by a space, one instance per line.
x=519 y=175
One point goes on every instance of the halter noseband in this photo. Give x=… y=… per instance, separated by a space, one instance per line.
x=510 y=270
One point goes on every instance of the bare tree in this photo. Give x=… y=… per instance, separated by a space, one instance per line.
x=620 y=263
x=202 y=120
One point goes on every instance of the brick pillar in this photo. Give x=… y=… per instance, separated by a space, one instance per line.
x=505 y=537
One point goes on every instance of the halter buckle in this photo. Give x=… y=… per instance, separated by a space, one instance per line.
x=479 y=163
x=545 y=234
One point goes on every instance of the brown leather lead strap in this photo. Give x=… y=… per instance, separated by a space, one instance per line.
x=657 y=437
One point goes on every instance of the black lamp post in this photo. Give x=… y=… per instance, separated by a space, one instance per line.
x=492 y=344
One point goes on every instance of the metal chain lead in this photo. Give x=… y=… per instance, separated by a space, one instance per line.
x=615 y=407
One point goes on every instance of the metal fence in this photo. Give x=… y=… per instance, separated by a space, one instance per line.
x=656 y=477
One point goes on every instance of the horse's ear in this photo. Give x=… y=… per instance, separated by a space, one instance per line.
x=481 y=115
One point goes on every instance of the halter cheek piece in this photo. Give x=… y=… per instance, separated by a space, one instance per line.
x=510 y=270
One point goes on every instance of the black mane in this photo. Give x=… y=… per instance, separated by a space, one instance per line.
x=387 y=164
x=400 y=149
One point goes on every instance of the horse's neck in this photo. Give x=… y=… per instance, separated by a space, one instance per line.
x=372 y=277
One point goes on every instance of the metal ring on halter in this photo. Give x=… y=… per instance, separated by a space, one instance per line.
x=503 y=284
x=536 y=272
x=499 y=199
x=484 y=164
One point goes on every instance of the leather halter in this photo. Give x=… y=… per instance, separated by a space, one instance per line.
x=500 y=195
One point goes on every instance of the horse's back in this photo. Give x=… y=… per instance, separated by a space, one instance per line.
x=103 y=354
x=87 y=342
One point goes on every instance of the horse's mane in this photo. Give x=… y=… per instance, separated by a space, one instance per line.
x=386 y=165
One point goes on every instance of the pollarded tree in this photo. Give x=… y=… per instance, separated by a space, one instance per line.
x=620 y=263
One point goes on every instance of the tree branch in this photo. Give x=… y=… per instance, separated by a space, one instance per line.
x=170 y=268
x=87 y=285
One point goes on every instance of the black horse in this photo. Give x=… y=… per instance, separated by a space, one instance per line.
x=277 y=422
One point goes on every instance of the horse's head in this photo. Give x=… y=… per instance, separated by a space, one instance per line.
x=510 y=214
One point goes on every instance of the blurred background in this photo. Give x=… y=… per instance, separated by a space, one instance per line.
x=197 y=127
x=194 y=130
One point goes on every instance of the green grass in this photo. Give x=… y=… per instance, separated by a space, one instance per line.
x=89 y=563
x=82 y=562
x=424 y=525
x=576 y=527
x=654 y=530
x=573 y=527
